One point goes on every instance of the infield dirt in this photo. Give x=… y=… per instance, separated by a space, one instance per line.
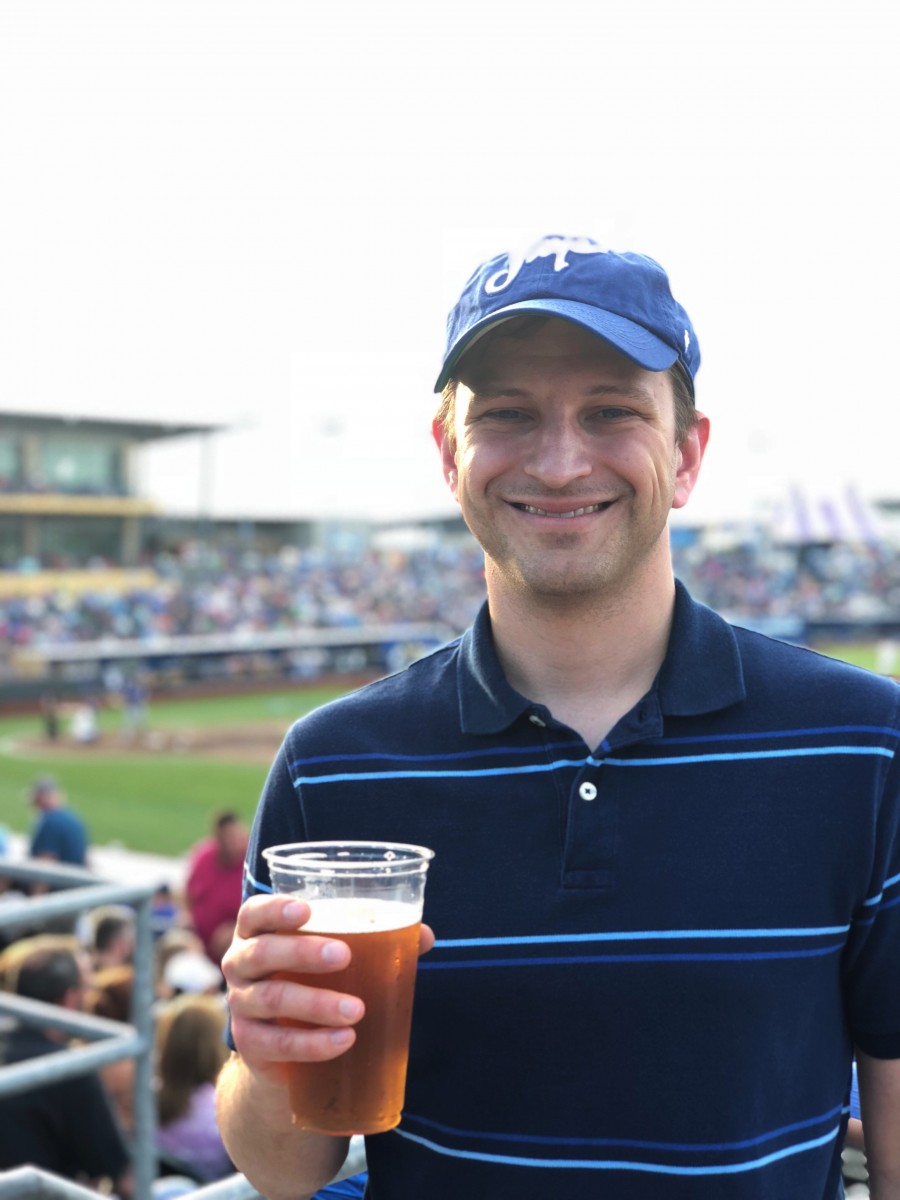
x=255 y=743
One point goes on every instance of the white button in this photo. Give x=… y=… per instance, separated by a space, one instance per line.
x=536 y=720
x=587 y=791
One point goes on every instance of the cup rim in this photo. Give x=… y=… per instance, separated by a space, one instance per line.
x=313 y=854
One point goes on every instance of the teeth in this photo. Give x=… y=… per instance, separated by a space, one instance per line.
x=576 y=512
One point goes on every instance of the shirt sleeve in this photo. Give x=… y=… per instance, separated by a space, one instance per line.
x=872 y=957
x=279 y=820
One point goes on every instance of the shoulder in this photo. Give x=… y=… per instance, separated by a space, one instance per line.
x=24 y=1043
x=423 y=691
x=714 y=665
x=202 y=852
x=801 y=671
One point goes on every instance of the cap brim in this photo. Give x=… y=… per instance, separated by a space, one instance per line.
x=634 y=341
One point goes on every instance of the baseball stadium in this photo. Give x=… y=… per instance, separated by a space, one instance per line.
x=151 y=663
x=154 y=662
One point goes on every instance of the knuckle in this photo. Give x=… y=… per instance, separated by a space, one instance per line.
x=272 y=994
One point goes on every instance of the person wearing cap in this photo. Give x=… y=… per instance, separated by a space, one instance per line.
x=59 y=834
x=666 y=884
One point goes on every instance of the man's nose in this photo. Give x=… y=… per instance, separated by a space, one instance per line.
x=559 y=454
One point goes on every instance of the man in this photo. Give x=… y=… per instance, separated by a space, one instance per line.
x=666 y=885
x=213 y=888
x=65 y=1128
x=111 y=932
x=59 y=834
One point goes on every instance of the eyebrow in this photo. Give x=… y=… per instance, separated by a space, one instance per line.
x=485 y=390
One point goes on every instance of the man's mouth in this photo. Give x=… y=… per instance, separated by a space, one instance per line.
x=564 y=516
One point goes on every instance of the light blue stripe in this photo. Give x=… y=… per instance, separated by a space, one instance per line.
x=563 y=763
x=260 y=887
x=643 y=935
x=482 y=772
x=629 y=1143
x=888 y=883
x=575 y=1164
x=798 y=752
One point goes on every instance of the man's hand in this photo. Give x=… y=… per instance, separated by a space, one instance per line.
x=253 y=1110
x=261 y=999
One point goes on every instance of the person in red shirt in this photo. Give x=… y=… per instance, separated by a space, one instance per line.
x=213 y=889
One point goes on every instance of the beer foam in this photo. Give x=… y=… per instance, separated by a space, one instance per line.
x=359 y=914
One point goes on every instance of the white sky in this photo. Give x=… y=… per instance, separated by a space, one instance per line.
x=259 y=213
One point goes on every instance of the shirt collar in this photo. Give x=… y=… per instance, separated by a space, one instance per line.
x=487 y=702
x=701 y=672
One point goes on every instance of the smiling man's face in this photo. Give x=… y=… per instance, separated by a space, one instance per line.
x=565 y=462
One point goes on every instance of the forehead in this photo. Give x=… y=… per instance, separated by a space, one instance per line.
x=522 y=347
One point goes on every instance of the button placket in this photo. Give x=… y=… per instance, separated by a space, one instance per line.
x=591 y=833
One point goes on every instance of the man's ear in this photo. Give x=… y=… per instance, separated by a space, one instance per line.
x=447 y=448
x=691 y=456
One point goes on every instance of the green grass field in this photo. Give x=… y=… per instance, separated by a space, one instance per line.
x=162 y=803
x=156 y=803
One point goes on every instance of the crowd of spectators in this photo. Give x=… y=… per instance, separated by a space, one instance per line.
x=839 y=582
x=204 y=591
x=212 y=593
x=83 y=1128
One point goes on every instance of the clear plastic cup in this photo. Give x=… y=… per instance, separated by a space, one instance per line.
x=369 y=895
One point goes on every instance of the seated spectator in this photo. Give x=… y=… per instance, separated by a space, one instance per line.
x=12 y=956
x=190 y=973
x=214 y=883
x=66 y=1128
x=111 y=934
x=176 y=940
x=110 y=995
x=165 y=911
x=191 y=1051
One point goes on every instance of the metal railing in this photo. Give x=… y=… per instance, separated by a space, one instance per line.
x=75 y=891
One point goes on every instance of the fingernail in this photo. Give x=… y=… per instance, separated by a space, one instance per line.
x=295 y=910
x=350 y=1009
x=334 y=952
x=341 y=1037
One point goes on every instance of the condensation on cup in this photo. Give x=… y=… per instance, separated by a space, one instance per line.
x=369 y=895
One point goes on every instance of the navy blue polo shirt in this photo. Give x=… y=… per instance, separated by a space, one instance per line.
x=654 y=956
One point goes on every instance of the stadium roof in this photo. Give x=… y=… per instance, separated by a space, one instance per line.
x=805 y=517
x=140 y=431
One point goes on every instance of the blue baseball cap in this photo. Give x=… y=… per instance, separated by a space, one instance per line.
x=623 y=298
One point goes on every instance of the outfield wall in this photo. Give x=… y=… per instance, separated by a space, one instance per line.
x=214 y=662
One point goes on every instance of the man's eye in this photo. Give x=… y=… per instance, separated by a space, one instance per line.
x=504 y=415
x=611 y=413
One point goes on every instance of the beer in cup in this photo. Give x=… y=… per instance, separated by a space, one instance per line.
x=369 y=895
